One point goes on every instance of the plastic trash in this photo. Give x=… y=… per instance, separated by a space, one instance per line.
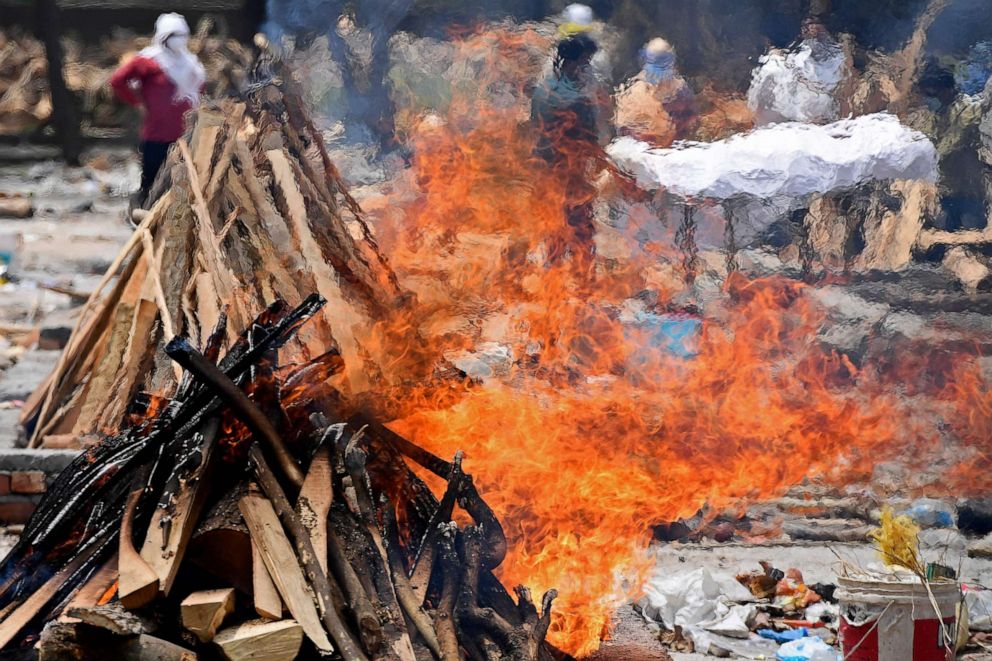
x=810 y=648
x=675 y=333
x=979 y=603
x=693 y=598
x=783 y=636
x=932 y=513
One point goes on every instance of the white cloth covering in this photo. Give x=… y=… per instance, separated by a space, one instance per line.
x=783 y=160
x=170 y=50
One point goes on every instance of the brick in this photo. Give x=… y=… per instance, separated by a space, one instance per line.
x=27 y=482
x=4 y=484
x=15 y=511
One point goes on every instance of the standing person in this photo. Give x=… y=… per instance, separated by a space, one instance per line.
x=167 y=80
x=567 y=111
x=657 y=105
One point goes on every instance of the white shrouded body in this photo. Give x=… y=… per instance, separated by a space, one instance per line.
x=784 y=160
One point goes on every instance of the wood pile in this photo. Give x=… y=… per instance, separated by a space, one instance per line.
x=249 y=209
x=202 y=530
x=25 y=101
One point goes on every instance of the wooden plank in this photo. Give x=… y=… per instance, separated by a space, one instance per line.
x=323 y=274
x=209 y=245
x=284 y=568
x=98 y=389
x=164 y=545
x=137 y=582
x=145 y=315
x=95 y=590
x=261 y=640
x=315 y=501
x=207 y=308
x=90 y=327
x=268 y=603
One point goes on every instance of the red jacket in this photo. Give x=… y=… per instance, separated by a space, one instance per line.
x=163 y=115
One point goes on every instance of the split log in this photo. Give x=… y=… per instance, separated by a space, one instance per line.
x=261 y=640
x=221 y=544
x=138 y=582
x=100 y=589
x=172 y=523
x=268 y=603
x=314 y=502
x=203 y=612
x=283 y=566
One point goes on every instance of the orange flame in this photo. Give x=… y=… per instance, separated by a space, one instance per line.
x=592 y=430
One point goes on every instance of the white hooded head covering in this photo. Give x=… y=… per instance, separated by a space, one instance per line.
x=170 y=50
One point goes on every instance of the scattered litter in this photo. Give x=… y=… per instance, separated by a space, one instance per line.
x=695 y=598
x=932 y=513
x=783 y=636
x=979 y=603
x=807 y=649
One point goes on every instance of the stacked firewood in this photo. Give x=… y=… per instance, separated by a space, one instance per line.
x=249 y=209
x=203 y=528
x=25 y=102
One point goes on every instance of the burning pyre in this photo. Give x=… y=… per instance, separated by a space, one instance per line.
x=375 y=547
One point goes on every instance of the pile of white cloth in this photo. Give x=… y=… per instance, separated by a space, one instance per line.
x=798 y=86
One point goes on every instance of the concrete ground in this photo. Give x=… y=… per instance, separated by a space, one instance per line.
x=75 y=233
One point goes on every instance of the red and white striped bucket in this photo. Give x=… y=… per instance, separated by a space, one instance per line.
x=896 y=620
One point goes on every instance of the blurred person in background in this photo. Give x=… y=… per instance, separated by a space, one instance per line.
x=656 y=105
x=569 y=111
x=165 y=79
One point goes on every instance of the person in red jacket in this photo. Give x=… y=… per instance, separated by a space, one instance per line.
x=167 y=80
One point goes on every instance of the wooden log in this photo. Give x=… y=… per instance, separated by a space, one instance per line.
x=314 y=502
x=261 y=640
x=354 y=460
x=137 y=582
x=203 y=612
x=150 y=648
x=283 y=566
x=209 y=245
x=268 y=603
x=112 y=617
x=369 y=627
x=221 y=545
x=132 y=364
x=171 y=528
x=31 y=607
x=16 y=207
